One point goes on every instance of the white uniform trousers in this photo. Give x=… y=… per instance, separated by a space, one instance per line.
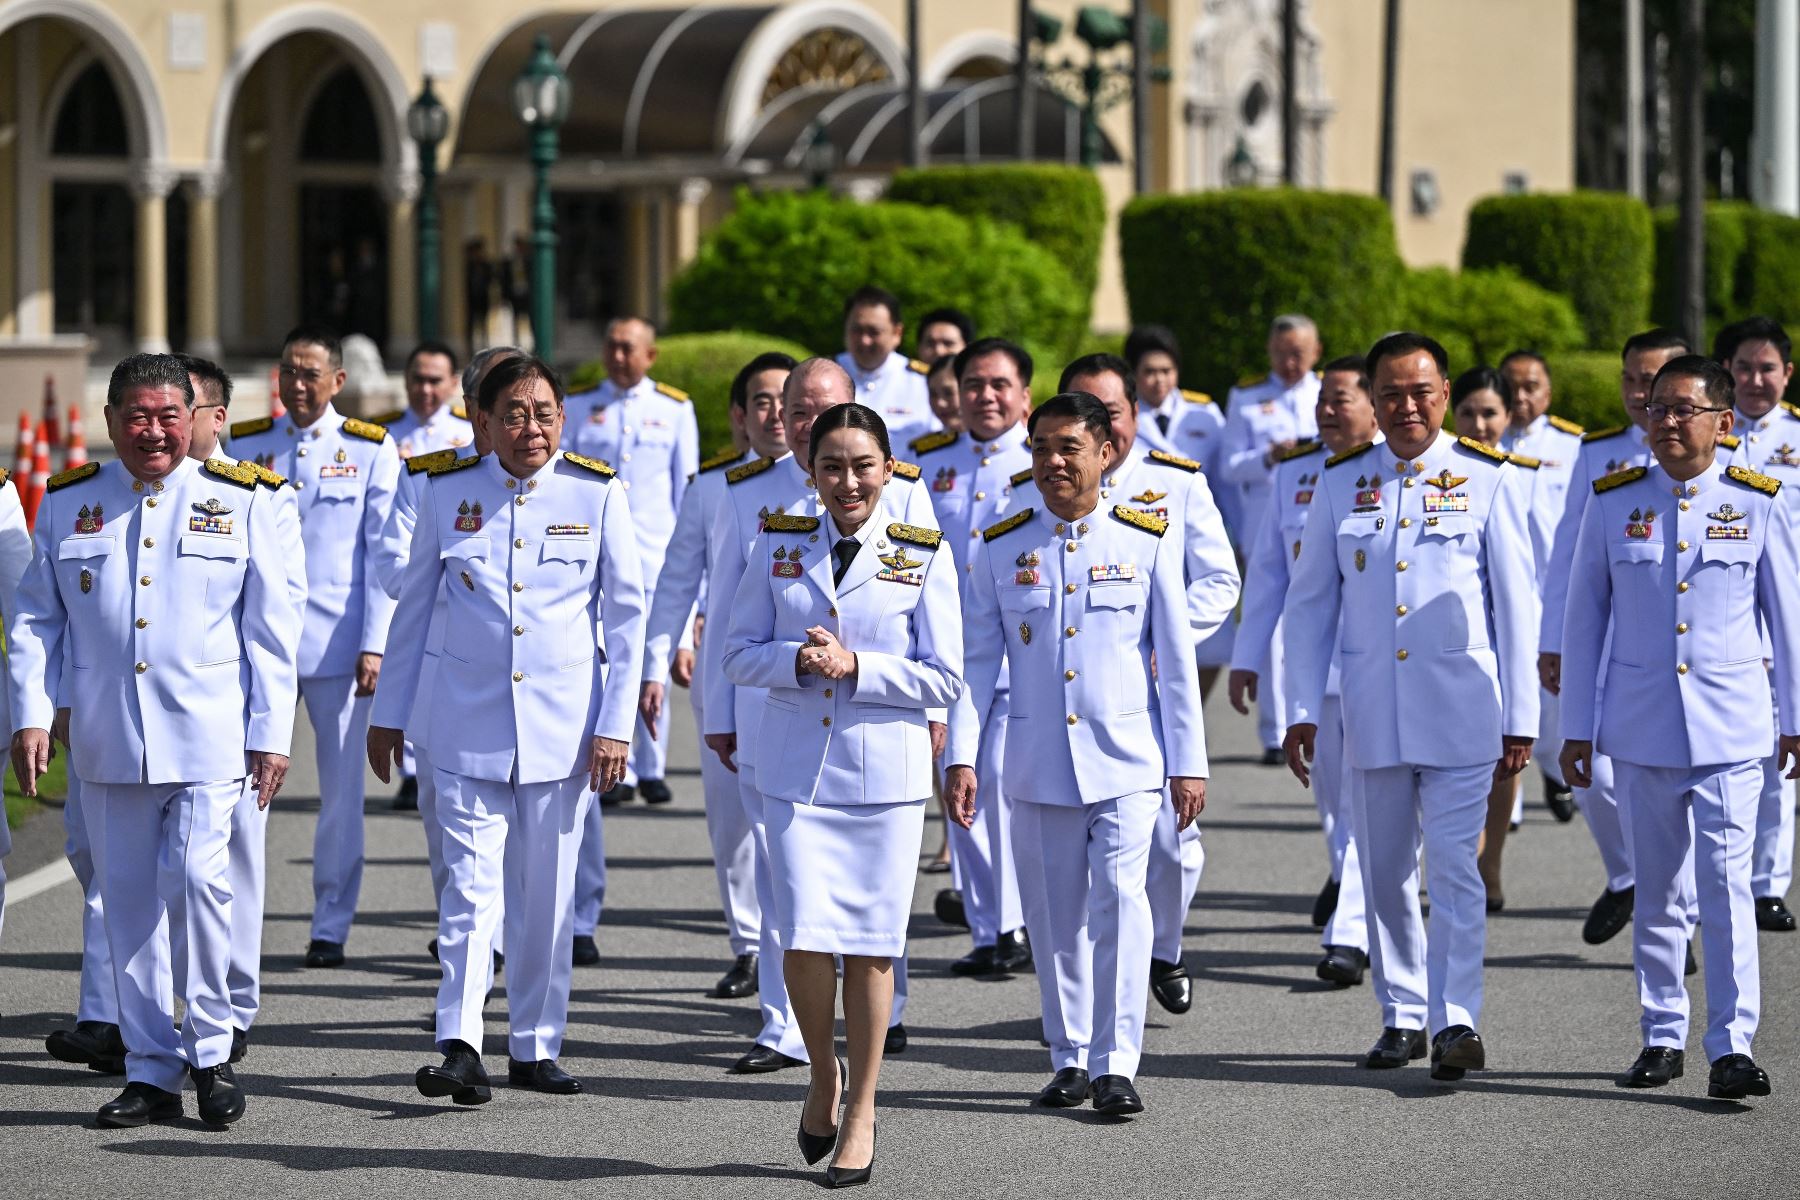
x=1081 y=877
x=99 y=994
x=249 y=830
x=1332 y=782
x=162 y=852
x=1772 y=864
x=1546 y=752
x=1271 y=712
x=1425 y=982
x=649 y=756
x=733 y=847
x=340 y=723
x=433 y=826
x=1706 y=814
x=1599 y=806
x=779 y=1029
x=590 y=874
x=1171 y=877
x=509 y=852
x=982 y=854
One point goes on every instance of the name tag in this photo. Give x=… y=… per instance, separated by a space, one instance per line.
x=571 y=530
x=1454 y=502
x=1112 y=573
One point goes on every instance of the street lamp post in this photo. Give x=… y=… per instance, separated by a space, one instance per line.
x=540 y=97
x=428 y=122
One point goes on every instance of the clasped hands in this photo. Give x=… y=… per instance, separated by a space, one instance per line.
x=824 y=656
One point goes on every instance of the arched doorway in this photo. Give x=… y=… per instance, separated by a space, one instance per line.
x=343 y=220
x=93 y=247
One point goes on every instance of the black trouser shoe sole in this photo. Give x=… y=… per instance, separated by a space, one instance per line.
x=163 y=1111
x=432 y=1082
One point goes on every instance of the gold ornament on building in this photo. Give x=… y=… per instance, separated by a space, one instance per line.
x=830 y=59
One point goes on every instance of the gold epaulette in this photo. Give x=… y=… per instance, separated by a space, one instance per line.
x=933 y=441
x=1007 y=526
x=364 y=430
x=4 y=476
x=724 y=458
x=1486 y=451
x=1607 y=483
x=1193 y=397
x=63 y=479
x=1792 y=408
x=1022 y=477
x=1174 y=460
x=603 y=469
x=1525 y=460
x=266 y=477
x=388 y=418
x=906 y=470
x=1731 y=441
x=1142 y=520
x=1766 y=484
x=673 y=393
x=1349 y=454
x=454 y=464
x=1250 y=381
x=460 y=411
x=782 y=523
x=1300 y=450
x=238 y=473
x=739 y=474
x=424 y=462
x=917 y=367
x=1602 y=434
x=250 y=428
x=1567 y=426
x=929 y=538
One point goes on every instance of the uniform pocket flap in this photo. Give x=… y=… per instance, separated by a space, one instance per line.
x=559 y=548
x=1024 y=599
x=1114 y=595
x=85 y=547
x=1447 y=526
x=1729 y=551
x=211 y=545
x=1635 y=552
x=476 y=548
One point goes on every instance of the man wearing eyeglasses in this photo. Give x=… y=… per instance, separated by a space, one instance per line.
x=344 y=473
x=1685 y=564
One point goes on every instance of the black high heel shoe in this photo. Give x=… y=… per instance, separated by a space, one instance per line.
x=814 y=1146
x=843 y=1177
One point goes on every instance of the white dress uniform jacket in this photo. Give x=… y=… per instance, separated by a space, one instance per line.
x=649 y=436
x=1173 y=489
x=971 y=482
x=1556 y=444
x=1602 y=452
x=1258 y=414
x=1195 y=430
x=446 y=429
x=1771 y=442
x=897 y=390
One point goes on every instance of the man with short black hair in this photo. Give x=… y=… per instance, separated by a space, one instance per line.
x=944 y=331
x=885 y=380
x=431 y=420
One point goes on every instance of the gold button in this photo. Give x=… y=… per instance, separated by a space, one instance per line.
x=518 y=631
x=1400 y=654
x=518 y=676
x=1069 y=546
x=518 y=543
x=1399 y=466
x=518 y=499
x=299 y=485
x=1060 y=527
x=831 y=612
x=826 y=721
x=145 y=581
x=1072 y=718
x=301 y=452
x=1069 y=632
x=137 y=485
x=828 y=693
x=1068 y=589
x=1068 y=674
x=972 y=533
x=1681 y=668
x=1681 y=628
x=142 y=667
x=1401 y=565
x=981 y=495
x=531 y=485
x=1406 y=483
x=518 y=587
x=511 y=482
x=625 y=458
x=1400 y=610
x=1681 y=545
x=1685 y=506
x=151 y=502
x=1682 y=586
x=157 y=486
x=984 y=462
x=142 y=623
x=1406 y=522
x=149 y=543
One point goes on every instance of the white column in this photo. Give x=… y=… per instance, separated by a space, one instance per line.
x=150 y=188
x=204 y=339
x=1775 y=168
x=687 y=220
x=401 y=191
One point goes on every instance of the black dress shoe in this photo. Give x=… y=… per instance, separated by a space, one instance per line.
x=407 y=798
x=431 y=949
x=1012 y=952
x=1396 y=1048
x=896 y=1041
x=221 y=1099
x=1274 y=757
x=1773 y=916
x=979 y=961
x=584 y=953
x=1656 y=1066
x=949 y=907
x=139 y=1104
x=541 y=1076
x=1115 y=1097
x=321 y=953
x=843 y=1177
x=1610 y=914
x=1495 y=904
x=654 y=791
x=1691 y=967
x=616 y=795
x=240 y=1045
x=814 y=1146
x=762 y=1059
x=1559 y=800
x=1067 y=1088
x=1326 y=904
x=1170 y=984
x=738 y=982
x=1456 y=1050
x=92 y=1044
x=462 y=1077
x=1343 y=965
x=1735 y=1076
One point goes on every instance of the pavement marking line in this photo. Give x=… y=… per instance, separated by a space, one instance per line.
x=41 y=880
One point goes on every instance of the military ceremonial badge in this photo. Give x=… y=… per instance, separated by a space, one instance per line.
x=1024 y=633
x=1148 y=497
x=1368 y=492
x=575 y=529
x=1303 y=489
x=87 y=581
x=210 y=517
x=1446 y=482
x=1727 y=533
x=785 y=568
x=90 y=520
x=1640 y=526
x=1362 y=559
x=1025 y=578
x=468 y=581
x=339 y=470
x=1112 y=573
x=340 y=456
x=898 y=567
x=468 y=517
x=1784 y=456
x=945 y=480
x=1726 y=514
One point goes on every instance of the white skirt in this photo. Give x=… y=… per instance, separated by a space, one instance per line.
x=844 y=876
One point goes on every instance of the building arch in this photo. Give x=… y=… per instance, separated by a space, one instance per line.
x=776 y=35
x=967 y=48
x=118 y=48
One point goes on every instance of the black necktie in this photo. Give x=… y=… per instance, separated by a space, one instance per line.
x=846 y=553
x=1162 y=422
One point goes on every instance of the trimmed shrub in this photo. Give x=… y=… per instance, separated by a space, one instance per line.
x=1771 y=269
x=1217 y=267
x=702 y=365
x=787 y=260
x=1596 y=248
x=1481 y=315
x=1727 y=237
x=1584 y=387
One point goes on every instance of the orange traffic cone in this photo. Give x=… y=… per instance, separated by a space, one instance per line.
x=21 y=472
x=75 y=454
x=40 y=473
x=277 y=409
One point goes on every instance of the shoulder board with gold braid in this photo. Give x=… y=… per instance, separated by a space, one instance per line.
x=388 y=418
x=1174 y=460
x=1143 y=520
x=1610 y=431
x=238 y=473
x=933 y=441
x=1300 y=450
x=266 y=477
x=928 y=538
x=917 y=367
x=603 y=469
x=739 y=474
x=4 y=476
x=1792 y=408
x=1007 y=526
x=1766 y=484
x=673 y=393
x=73 y=475
x=454 y=464
x=1021 y=478
x=1731 y=441
x=1525 y=460
x=1607 y=483
x=460 y=411
x=251 y=428
x=782 y=523
x=364 y=430
x=906 y=470
x=424 y=462
x=1349 y=454
x=724 y=458
x=1492 y=454
x=1193 y=397
x=1250 y=381
x=1567 y=426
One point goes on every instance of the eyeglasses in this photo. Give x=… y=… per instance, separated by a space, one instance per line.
x=517 y=419
x=1683 y=413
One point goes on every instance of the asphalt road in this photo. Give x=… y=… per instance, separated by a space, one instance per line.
x=1254 y=1093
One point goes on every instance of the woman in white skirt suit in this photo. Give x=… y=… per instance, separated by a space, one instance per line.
x=851 y=621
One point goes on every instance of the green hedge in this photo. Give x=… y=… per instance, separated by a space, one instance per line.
x=1752 y=266
x=787 y=260
x=1481 y=315
x=1217 y=267
x=702 y=365
x=1584 y=387
x=1596 y=248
